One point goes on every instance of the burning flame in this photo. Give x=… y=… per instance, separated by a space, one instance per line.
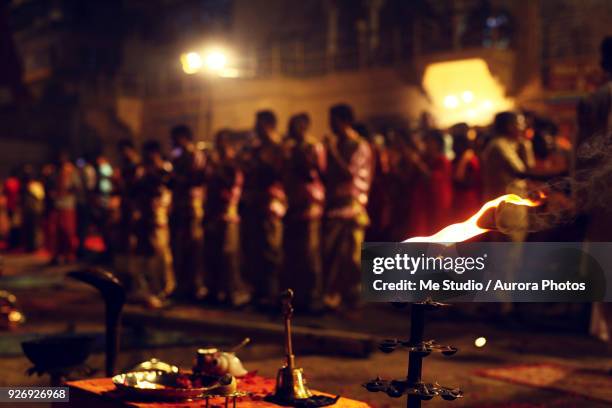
x=463 y=231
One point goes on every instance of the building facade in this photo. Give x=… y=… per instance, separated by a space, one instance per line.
x=97 y=71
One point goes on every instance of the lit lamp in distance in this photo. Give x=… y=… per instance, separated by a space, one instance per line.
x=464 y=91
x=213 y=60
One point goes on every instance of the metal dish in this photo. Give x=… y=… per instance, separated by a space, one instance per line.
x=162 y=386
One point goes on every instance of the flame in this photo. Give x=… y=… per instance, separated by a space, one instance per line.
x=463 y=231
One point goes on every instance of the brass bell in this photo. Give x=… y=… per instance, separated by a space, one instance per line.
x=290 y=381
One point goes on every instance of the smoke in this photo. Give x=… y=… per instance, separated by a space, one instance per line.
x=590 y=184
x=593 y=179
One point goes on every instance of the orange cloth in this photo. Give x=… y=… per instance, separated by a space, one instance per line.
x=100 y=392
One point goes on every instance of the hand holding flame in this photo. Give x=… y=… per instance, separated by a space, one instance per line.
x=468 y=229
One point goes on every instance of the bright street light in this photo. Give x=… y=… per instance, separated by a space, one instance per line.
x=192 y=62
x=215 y=60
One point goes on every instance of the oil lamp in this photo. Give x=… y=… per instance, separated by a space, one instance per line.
x=418 y=348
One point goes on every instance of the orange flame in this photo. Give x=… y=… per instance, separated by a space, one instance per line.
x=463 y=231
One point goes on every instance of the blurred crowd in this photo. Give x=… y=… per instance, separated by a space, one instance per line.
x=235 y=222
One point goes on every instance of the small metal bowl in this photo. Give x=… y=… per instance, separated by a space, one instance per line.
x=62 y=350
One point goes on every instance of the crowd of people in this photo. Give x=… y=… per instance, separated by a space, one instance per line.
x=234 y=223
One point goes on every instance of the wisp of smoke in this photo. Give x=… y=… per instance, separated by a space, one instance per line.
x=590 y=184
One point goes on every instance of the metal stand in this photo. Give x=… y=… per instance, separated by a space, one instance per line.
x=113 y=293
x=418 y=348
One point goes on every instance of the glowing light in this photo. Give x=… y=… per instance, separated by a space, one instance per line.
x=457 y=88
x=15 y=316
x=106 y=169
x=451 y=102
x=192 y=62
x=215 y=60
x=37 y=189
x=469 y=228
x=480 y=342
x=229 y=73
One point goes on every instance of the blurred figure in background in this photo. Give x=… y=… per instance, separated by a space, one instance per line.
x=401 y=184
x=592 y=163
x=507 y=157
x=5 y=223
x=48 y=180
x=550 y=156
x=32 y=203
x=224 y=181
x=86 y=201
x=129 y=168
x=304 y=165
x=62 y=219
x=264 y=204
x=506 y=160
x=153 y=275
x=379 y=203
x=505 y=163
x=347 y=181
x=12 y=188
x=431 y=196
x=467 y=188
x=107 y=206
x=186 y=215
x=416 y=182
x=440 y=190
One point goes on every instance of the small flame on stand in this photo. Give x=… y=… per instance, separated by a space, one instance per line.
x=469 y=229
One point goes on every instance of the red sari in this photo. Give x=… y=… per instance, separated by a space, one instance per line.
x=432 y=198
x=467 y=193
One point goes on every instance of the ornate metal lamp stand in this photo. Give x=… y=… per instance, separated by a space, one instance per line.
x=418 y=348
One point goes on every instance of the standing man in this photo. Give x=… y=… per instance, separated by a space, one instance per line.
x=439 y=177
x=107 y=204
x=348 y=179
x=86 y=201
x=153 y=274
x=186 y=216
x=593 y=152
x=224 y=181
x=62 y=219
x=506 y=162
x=306 y=195
x=130 y=167
x=264 y=205
x=466 y=174
x=32 y=203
